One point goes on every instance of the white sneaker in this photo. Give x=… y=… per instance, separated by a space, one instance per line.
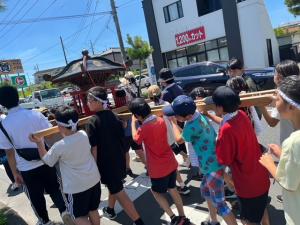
x=67 y=218
x=14 y=187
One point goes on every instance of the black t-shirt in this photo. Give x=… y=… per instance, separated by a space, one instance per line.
x=106 y=132
x=171 y=92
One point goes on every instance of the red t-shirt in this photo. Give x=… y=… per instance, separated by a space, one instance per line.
x=160 y=157
x=238 y=148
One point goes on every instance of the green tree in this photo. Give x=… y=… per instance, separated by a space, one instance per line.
x=279 y=32
x=2 y=5
x=140 y=50
x=293 y=6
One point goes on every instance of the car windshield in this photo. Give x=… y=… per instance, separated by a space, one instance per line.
x=51 y=93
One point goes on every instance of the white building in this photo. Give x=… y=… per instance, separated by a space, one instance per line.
x=188 y=31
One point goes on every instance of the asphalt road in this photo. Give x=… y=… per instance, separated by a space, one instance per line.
x=138 y=189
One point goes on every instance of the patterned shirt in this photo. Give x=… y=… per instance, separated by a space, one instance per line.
x=202 y=136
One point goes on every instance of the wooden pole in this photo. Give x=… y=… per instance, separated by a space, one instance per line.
x=258 y=100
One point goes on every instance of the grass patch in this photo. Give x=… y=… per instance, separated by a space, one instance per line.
x=3 y=219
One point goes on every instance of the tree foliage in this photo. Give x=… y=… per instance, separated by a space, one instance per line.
x=2 y=5
x=279 y=32
x=139 y=49
x=293 y=6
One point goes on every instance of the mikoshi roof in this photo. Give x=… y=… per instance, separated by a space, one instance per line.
x=98 y=68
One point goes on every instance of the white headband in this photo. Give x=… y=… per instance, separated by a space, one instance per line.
x=69 y=124
x=104 y=102
x=289 y=100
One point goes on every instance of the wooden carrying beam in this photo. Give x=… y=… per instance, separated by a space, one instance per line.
x=255 y=100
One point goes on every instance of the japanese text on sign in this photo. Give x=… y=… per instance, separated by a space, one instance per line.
x=190 y=36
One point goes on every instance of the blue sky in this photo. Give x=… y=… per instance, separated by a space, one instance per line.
x=38 y=43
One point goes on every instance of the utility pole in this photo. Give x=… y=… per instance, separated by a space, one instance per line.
x=92 y=47
x=63 y=48
x=118 y=29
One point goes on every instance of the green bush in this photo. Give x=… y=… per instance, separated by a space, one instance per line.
x=3 y=219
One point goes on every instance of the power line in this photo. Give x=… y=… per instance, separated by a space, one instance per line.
x=82 y=21
x=15 y=15
x=91 y=26
x=27 y=11
x=126 y=3
x=36 y=20
x=53 y=46
x=14 y=7
x=8 y=43
x=102 y=30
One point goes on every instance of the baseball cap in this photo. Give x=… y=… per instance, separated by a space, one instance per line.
x=224 y=96
x=182 y=106
x=165 y=75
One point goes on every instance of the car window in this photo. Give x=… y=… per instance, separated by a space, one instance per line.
x=193 y=71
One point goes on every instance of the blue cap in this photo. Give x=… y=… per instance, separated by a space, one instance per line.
x=181 y=106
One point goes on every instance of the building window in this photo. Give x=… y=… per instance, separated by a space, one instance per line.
x=173 y=12
x=208 y=6
x=213 y=50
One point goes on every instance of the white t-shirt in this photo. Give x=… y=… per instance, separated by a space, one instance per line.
x=19 y=124
x=78 y=168
x=286 y=127
x=288 y=177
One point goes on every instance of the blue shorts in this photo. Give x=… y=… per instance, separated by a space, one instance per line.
x=212 y=188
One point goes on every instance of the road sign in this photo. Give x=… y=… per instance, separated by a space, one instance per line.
x=19 y=81
x=11 y=66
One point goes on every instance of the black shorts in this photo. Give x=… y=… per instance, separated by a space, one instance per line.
x=129 y=142
x=115 y=186
x=80 y=204
x=253 y=208
x=161 y=185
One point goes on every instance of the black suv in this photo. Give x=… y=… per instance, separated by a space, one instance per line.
x=211 y=75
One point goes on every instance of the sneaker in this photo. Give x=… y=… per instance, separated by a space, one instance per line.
x=229 y=194
x=279 y=198
x=67 y=218
x=209 y=223
x=184 y=191
x=14 y=187
x=182 y=220
x=175 y=220
x=109 y=213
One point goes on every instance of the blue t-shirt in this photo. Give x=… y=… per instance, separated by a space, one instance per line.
x=202 y=136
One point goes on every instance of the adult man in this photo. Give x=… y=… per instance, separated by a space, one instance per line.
x=36 y=177
x=236 y=68
x=170 y=89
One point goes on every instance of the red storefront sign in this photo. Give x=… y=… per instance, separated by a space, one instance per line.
x=190 y=36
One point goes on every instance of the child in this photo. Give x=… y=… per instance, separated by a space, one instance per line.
x=239 y=86
x=198 y=131
x=80 y=176
x=161 y=162
x=154 y=94
x=284 y=69
x=106 y=136
x=287 y=172
x=237 y=147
